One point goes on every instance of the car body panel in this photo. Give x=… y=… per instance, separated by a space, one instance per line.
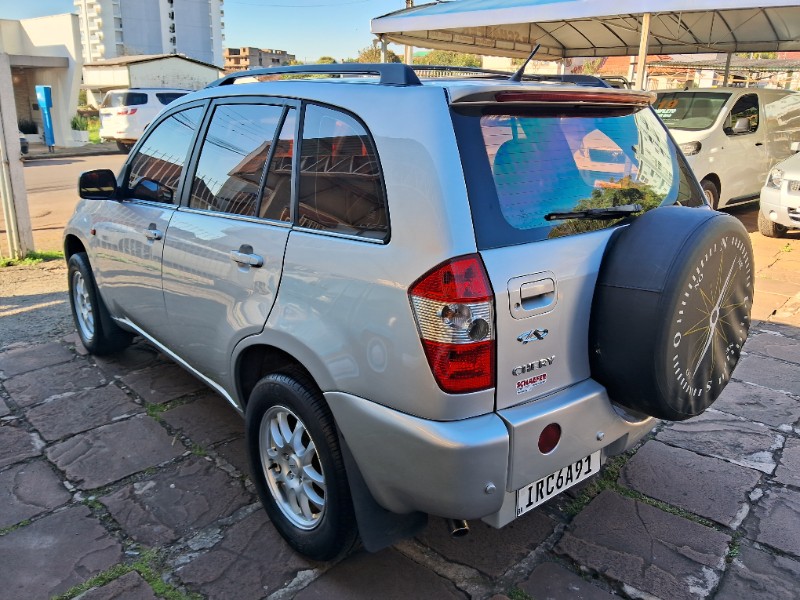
x=782 y=205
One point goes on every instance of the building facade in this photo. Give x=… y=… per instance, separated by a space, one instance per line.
x=238 y=59
x=114 y=28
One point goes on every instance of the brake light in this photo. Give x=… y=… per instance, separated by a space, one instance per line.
x=453 y=306
x=593 y=97
x=126 y=111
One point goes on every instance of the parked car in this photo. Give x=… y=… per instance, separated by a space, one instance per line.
x=125 y=113
x=23 y=143
x=780 y=197
x=455 y=297
x=731 y=136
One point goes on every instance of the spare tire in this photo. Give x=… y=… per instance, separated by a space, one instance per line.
x=671 y=310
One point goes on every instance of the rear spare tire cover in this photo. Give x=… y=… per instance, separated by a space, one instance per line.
x=671 y=310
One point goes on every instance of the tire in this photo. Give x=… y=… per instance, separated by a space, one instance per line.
x=769 y=228
x=711 y=193
x=96 y=329
x=671 y=311
x=309 y=505
x=124 y=147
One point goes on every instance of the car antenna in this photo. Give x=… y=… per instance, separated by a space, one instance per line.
x=518 y=75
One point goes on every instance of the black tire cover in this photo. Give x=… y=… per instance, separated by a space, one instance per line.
x=671 y=310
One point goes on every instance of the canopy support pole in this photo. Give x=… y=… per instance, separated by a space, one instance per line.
x=409 y=50
x=727 y=69
x=640 y=67
x=383 y=49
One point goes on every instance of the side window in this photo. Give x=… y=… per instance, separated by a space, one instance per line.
x=746 y=107
x=156 y=167
x=232 y=159
x=340 y=183
x=277 y=195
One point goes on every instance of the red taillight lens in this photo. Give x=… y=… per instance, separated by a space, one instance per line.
x=454 y=308
x=549 y=438
x=126 y=111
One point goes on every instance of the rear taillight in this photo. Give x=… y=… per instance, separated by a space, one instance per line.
x=126 y=111
x=454 y=308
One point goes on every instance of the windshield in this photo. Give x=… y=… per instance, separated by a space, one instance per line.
x=521 y=167
x=690 y=110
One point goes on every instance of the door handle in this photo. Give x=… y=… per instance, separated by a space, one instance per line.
x=246 y=259
x=153 y=234
x=542 y=287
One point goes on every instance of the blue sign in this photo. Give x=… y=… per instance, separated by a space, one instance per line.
x=44 y=98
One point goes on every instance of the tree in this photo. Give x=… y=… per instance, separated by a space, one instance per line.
x=326 y=60
x=372 y=54
x=452 y=59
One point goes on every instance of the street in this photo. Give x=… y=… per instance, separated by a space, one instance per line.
x=52 y=195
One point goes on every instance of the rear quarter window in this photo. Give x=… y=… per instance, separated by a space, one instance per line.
x=523 y=164
x=167 y=97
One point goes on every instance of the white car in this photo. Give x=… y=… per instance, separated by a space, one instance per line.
x=124 y=114
x=780 y=198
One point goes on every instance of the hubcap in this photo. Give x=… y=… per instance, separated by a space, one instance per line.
x=292 y=467
x=84 y=315
x=709 y=196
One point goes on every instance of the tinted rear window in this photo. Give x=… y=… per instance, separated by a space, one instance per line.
x=114 y=99
x=521 y=165
x=167 y=97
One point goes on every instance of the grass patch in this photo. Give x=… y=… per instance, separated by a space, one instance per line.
x=11 y=528
x=518 y=594
x=787 y=247
x=734 y=548
x=32 y=258
x=93 y=503
x=155 y=410
x=149 y=566
x=198 y=450
x=94 y=130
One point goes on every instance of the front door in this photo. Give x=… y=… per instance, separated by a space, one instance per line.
x=130 y=234
x=224 y=252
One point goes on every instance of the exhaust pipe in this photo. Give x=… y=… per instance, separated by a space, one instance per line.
x=458 y=528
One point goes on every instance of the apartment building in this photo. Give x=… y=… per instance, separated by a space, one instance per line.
x=114 y=28
x=238 y=59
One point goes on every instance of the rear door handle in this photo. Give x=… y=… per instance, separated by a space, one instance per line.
x=153 y=234
x=532 y=294
x=246 y=259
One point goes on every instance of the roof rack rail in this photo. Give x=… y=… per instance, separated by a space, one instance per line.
x=389 y=73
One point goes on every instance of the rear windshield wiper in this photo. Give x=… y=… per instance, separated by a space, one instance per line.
x=608 y=212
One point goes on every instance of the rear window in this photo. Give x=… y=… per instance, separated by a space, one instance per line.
x=692 y=111
x=521 y=165
x=167 y=97
x=115 y=99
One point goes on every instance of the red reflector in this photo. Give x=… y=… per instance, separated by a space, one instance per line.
x=461 y=368
x=549 y=438
x=593 y=97
x=457 y=280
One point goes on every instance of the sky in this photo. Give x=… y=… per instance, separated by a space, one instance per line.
x=308 y=29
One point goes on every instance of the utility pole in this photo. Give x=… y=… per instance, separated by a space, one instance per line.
x=409 y=52
x=12 y=181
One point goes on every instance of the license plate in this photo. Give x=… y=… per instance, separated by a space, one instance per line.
x=541 y=491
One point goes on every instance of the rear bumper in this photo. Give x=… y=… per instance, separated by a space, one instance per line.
x=472 y=468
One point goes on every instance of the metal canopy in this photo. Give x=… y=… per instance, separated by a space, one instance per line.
x=571 y=28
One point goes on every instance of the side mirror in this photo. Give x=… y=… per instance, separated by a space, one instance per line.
x=794 y=146
x=148 y=189
x=742 y=125
x=100 y=184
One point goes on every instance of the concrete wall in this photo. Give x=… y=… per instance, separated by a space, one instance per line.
x=54 y=36
x=172 y=72
x=143 y=27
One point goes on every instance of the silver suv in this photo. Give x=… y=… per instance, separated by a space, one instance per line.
x=454 y=297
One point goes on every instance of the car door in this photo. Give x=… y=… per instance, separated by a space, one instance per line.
x=129 y=234
x=745 y=153
x=224 y=252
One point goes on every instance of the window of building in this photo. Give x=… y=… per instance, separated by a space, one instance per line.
x=232 y=158
x=156 y=167
x=340 y=181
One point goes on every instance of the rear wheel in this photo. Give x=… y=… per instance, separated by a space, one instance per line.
x=297 y=466
x=770 y=228
x=711 y=193
x=96 y=329
x=124 y=147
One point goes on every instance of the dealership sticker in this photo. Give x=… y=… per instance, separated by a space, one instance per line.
x=526 y=385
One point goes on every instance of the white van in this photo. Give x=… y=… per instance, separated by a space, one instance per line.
x=124 y=114
x=731 y=137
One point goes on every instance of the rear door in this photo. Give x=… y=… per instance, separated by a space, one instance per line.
x=523 y=163
x=225 y=246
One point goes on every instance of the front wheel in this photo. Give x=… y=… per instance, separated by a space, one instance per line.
x=769 y=228
x=711 y=193
x=297 y=466
x=124 y=147
x=96 y=329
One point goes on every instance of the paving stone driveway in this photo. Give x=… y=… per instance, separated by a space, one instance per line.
x=127 y=477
